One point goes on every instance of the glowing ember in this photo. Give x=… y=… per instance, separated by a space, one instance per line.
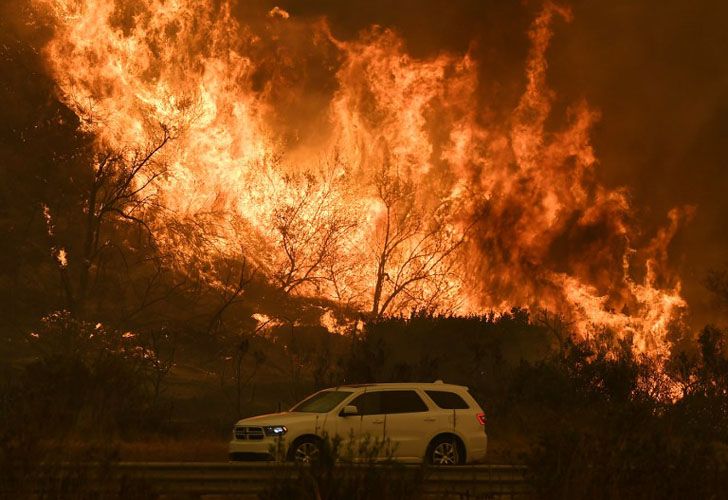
x=61 y=257
x=411 y=196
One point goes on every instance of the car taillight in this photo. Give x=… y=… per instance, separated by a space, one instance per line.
x=481 y=418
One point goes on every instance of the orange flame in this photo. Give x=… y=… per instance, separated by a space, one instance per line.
x=409 y=195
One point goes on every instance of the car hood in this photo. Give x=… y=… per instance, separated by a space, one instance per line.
x=283 y=418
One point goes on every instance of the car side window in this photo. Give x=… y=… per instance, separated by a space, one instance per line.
x=402 y=402
x=369 y=403
x=448 y=400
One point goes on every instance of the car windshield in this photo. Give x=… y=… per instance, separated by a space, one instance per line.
x=321 y=402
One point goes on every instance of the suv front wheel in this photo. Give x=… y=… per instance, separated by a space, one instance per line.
x=305 y=450
x=445 y=451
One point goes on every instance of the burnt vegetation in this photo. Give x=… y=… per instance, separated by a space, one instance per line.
x=105 y=343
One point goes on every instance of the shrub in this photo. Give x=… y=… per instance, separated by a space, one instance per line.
x=359 y=471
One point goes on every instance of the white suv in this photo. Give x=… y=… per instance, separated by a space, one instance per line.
x=439 y=423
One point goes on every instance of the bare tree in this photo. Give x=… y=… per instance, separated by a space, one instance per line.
x=243 y=374
x=233 y=287
x=160 y=345
x=557 y=325
x=117 y=192
x=153 y=289
x=312 y=223
x=413 y=248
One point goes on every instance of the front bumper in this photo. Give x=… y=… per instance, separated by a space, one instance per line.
x=270 y=448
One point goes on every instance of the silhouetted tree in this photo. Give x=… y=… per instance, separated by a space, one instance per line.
x=412 y=249
x=312 y=222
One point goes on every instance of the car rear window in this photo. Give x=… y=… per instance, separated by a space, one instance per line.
x=402 y=402
x=448 y=400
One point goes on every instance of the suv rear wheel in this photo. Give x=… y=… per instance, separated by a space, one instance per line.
x=445 y=451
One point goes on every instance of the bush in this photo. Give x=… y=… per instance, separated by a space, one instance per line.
x=612 y=428
x=90 y=380
x=362 y=472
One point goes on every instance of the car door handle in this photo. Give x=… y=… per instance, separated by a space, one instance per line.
x=429 y=419
x=377 y=421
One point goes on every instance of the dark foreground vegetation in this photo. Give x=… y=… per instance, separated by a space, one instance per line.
x=373 y=476
x=590 y=418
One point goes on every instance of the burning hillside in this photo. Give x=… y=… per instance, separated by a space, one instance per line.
x=396 y=188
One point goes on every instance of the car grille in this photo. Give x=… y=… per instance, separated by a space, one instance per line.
x=249 y=433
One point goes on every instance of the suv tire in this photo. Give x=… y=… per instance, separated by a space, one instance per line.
x=305 y=450
x=445 y=450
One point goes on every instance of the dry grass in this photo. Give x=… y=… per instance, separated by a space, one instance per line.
x=198 y=450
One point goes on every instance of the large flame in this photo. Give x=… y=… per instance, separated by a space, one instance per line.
x=406 y=194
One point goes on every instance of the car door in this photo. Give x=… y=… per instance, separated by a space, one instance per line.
x=366 y=429
x=407 y=423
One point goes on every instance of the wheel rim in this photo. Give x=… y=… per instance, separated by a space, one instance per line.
x=306 y=453
x=445 y=454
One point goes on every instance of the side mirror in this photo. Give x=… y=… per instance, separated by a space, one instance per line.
x=349 y=411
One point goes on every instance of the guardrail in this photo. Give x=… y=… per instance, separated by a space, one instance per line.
x=247 y=480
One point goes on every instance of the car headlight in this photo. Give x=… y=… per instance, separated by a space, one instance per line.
x=275 y=430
